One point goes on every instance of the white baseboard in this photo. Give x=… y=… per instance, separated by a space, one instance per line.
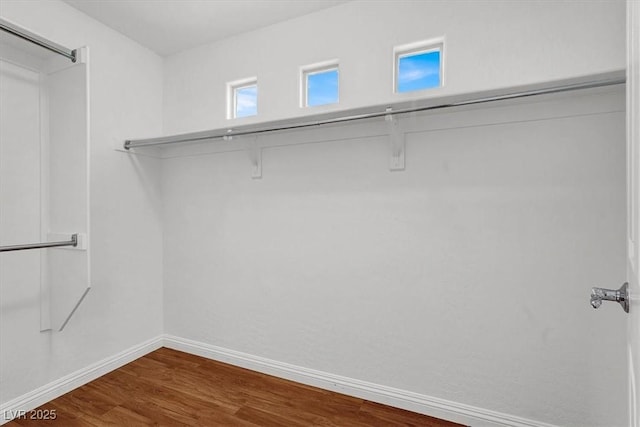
x=432 y=406
x=74 y=380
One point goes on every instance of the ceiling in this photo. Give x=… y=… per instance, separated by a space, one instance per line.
x=170 y=26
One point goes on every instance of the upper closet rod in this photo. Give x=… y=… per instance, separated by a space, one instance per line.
x=27 y=35
x=225 y=133
x=72 y=242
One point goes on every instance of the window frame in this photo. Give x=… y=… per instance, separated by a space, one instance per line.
x=317 y=68
x=232 y=96
x=413 y=49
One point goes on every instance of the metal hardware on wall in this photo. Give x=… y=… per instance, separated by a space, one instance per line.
x=620 y=296
x=27 y=35
x=73 y=241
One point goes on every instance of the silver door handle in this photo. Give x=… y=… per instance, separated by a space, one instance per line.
x=621 y=295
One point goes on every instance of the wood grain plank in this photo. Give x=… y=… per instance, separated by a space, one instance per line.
x=171 y=388
x=121 y=416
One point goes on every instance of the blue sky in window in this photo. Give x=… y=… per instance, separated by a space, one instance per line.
x=419 y=71
x=322 y=88
x=247 y=101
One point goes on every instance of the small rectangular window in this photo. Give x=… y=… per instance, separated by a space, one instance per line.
x=242 y=98
x=320 y=84
x=418 y=67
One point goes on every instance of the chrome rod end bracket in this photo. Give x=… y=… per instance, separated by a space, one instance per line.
x=624 y=297
x=620 y=296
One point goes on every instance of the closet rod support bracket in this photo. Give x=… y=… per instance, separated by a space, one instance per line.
x=396 y=141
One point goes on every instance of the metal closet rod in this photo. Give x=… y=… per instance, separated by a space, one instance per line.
x=36 y=39
x=225 y=133
x=72 y=242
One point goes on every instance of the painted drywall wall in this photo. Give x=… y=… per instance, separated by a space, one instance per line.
x=465 y=277
x=488 y=45
x=124 y=307
x=20 y=219
x=439 y=280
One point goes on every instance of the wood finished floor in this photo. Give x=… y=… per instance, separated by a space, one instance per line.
x=171 y=388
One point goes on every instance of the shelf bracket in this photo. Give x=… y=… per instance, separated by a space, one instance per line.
x=256 y=163
x=396 y=141
x=255 y=157
x=75 y=307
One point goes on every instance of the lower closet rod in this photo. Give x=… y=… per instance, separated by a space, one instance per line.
x=73 y=242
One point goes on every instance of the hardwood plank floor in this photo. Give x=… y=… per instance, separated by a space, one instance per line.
x=171 y=388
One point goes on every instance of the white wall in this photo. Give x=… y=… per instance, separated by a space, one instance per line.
x=488 y=45
x=464 y=278
x=20 y=219
x=124 y=307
